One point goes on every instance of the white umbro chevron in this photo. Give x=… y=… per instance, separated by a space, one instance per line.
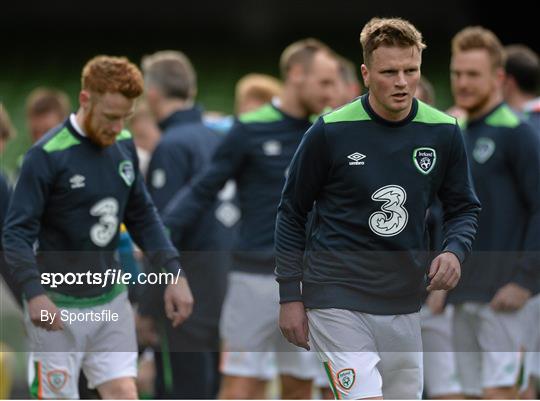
x=356 y=159
x=77 y=181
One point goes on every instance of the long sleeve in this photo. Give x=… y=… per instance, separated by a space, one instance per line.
x=23 y=221
x=190 y=202
x=460 y=203
x=524 y=148
x=307 y=175
x=147 y=230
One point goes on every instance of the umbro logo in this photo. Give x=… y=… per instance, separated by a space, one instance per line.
x=356 y=159
x=77 y=181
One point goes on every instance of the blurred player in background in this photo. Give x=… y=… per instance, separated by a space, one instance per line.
x=45 y=109
x=502 y=271
x=184 y=152
x=145 y=133
x=440 y=376
x=348 y=87
x=7 y=132
x=256 y=153
x=521 y=88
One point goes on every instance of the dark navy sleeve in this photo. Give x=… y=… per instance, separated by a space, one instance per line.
x=188 y=204
x=308 y=173
x=169 y=170
x=460 y=204
x=524 y=148
x=5 y=194
x=4 y=202
x=23 y=221
x=147 y=230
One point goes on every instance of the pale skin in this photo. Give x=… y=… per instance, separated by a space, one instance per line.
x=104 y=116
x=392 y=76
x=477 y=89
x=305 y=92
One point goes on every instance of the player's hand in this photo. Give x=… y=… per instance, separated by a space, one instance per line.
x=444 y=272
x=146 y=331
x=178 y=301
x=44 y=313
x=510 y=298
x=293 y=323
x=435 y=301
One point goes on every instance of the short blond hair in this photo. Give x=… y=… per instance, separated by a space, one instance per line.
x=392 y=32
x=260 y=87
x=477 y=37
x=106 y=74
x=7 y=131
x=300 y=52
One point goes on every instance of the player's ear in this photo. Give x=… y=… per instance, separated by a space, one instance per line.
x=500 y=76
x=84 y=99
x=365 y=75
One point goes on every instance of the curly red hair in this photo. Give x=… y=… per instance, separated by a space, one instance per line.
x=104 y=74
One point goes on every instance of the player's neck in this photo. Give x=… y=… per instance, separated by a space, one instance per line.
x=168 y=107
x=486 y=108
x=290 y=104
x=79 y=117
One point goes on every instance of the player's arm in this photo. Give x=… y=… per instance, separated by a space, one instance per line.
x=147 y=230
x=307 y=175
x=21 y=229
x=169 y=170
x=461 y=210
x=524 y=161
x=185 y=208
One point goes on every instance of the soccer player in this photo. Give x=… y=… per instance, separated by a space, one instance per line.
x=145 y=133
x=6 y=357
x=184 y=151
x=45 y=109
x=368 y=171
x=77 y=184
x=502 y=272
x=440 y=376
x=522 y=82
x=520 y=89
x=348 y=87
x=254 y=90
x=256 y=154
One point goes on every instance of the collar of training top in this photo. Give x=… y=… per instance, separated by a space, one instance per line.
x=193 y=114
x=375 y=117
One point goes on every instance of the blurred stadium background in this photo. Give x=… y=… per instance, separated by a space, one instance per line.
x=47 y=43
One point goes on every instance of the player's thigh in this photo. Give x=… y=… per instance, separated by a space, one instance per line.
x=440 y=373
x=252 y=365
x=501 y=338
x=399 y=345
x=465 y=330
x=334 y=333
x=112 y=350
x=249 y=320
